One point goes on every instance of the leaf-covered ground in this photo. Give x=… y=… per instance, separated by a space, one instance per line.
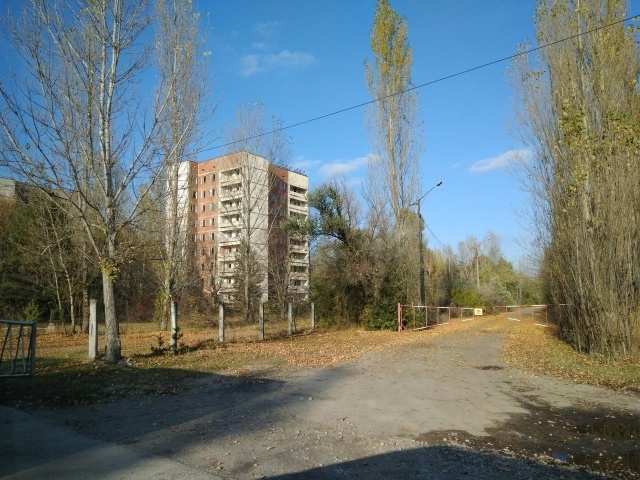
x=64 y=376
x=537 y=351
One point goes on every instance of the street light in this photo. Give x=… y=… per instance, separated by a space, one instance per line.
x=420 y=243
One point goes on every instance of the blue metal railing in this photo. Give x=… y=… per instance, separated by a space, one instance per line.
x=18 y=354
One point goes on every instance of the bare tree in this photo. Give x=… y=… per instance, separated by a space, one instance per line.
x=261 y=146
x=77 y=123
x=183 y=83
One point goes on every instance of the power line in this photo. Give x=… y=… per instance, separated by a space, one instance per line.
x=422 y=85
x=435 y=237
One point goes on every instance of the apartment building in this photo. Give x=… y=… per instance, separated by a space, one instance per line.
x=236 y=204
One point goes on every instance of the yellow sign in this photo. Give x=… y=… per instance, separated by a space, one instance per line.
x=477 y=312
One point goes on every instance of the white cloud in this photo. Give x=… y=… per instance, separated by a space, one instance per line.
x=302 y=163
x=267 y=29
x=250 y=65
x=259 y=45
x=255 y=63
x=343 y=167
x=287 y=59
x=501 y=161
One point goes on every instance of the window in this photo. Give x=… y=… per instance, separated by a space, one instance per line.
x=202 y=251
x=212 y=206
x=193 y=209
x=203 y=222
x=283 y=186
x=202 y=267
x=212 y=251
x=204 y=208
x=212 y=221
x=203 y=179
x=195 y=239
x=203 y=193
x=202 y=237
x=212 y=192
x=211 y=236
x=194 y=195
x=213 y=177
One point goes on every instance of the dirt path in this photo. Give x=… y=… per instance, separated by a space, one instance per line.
x=444 y=407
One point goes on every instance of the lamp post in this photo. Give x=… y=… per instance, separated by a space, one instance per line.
x=423 y=300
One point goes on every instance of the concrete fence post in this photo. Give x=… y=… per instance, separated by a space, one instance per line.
x=93 y=329
x=313 y=316
x=261 y=322
x=174 y=327
x=290 y=319
x=221 y=323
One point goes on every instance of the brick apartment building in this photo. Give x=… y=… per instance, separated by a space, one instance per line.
x=242 y=197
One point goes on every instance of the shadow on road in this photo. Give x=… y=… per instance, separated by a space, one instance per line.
x=440 y=462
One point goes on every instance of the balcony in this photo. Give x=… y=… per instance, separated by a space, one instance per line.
x=230 y=207
x=224 y=240
x=230 y=193
x=227 y=257
x=298 y=289
x=299 y=207
x=298 y=193
x=298 y=247
x=226 y=226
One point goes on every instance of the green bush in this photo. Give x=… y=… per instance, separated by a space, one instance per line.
x=31 y=312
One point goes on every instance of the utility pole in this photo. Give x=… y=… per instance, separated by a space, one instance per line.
x=477 y=268
x=423 y=300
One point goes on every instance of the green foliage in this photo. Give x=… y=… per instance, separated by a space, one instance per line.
x=466 y=297
x=330 y=218
x=31 y=312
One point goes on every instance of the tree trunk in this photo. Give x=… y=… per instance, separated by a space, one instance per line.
x=85 y=301
x=112 y=329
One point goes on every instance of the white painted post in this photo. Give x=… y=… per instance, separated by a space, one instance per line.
x=93 y=330
x=221 y=323
x=173 y=345
x=261 y=322
x=290 y=319
x=313 y=316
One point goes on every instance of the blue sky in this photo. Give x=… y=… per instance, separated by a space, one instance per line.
x=305 y=59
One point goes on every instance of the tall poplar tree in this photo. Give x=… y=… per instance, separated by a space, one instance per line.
x=392 y=120
x=579 y=110
x=393 y=172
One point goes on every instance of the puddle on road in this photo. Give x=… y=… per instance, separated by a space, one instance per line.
x=490 y=367
x=628 y=461
x=613 y=428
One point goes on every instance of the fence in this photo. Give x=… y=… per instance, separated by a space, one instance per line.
x=273 y=321
x=536 y=314
x=420 y=317
x=18 y=354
